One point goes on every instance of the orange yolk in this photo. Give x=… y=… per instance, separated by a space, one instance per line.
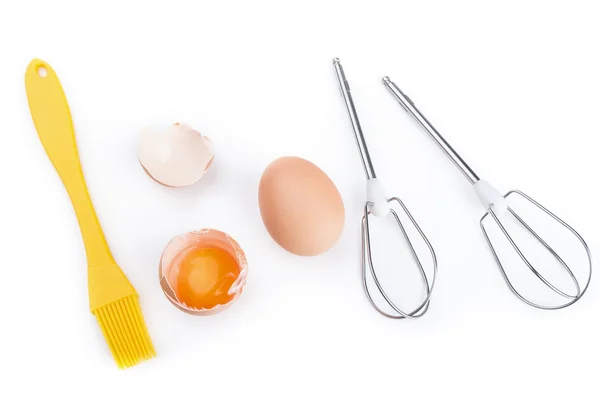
x=205 y=276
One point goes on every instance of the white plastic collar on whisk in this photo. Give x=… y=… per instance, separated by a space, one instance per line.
x=490 y=197
x=377 y=199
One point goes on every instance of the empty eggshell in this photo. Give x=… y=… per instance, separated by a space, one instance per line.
x=176 y=155
x=300 y=206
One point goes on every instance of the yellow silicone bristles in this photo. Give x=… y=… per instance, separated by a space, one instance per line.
x=125 y=331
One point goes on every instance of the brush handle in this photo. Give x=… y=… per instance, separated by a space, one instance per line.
x=52 y=119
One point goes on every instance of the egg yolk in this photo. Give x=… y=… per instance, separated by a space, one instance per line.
x=205 y=276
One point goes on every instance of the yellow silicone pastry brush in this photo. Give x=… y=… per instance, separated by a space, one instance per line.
x=113 y=300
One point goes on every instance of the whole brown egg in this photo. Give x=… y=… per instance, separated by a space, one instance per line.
x=300 y=206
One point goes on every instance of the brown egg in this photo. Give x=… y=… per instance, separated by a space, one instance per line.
x=300 y=206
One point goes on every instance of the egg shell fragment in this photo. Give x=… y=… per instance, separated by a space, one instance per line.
x=175 y=156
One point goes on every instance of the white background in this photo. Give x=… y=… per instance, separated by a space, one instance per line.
x=513 y=85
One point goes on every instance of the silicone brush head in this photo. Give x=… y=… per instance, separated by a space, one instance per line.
x=115 y=304
x=125 y=331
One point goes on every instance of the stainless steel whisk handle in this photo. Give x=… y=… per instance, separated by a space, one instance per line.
x=410 y=107
x=360 y=139
x=377 y=200
x=487 y=194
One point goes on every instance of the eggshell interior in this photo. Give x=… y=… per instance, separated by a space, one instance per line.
x=175 y=156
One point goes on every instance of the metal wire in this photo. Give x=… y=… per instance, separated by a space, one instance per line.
x=367 y=260
x=570 y=298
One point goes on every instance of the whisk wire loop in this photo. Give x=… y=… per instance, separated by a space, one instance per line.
x=368 y=267
x=571 y=298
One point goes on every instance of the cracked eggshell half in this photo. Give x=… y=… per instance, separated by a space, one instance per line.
x=175 y=155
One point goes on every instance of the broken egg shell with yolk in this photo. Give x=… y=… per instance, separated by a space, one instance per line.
x=203 y=272
x=176 y=155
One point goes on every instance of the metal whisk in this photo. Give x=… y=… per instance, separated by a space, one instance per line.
x=380 y=206
x=498 y=209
